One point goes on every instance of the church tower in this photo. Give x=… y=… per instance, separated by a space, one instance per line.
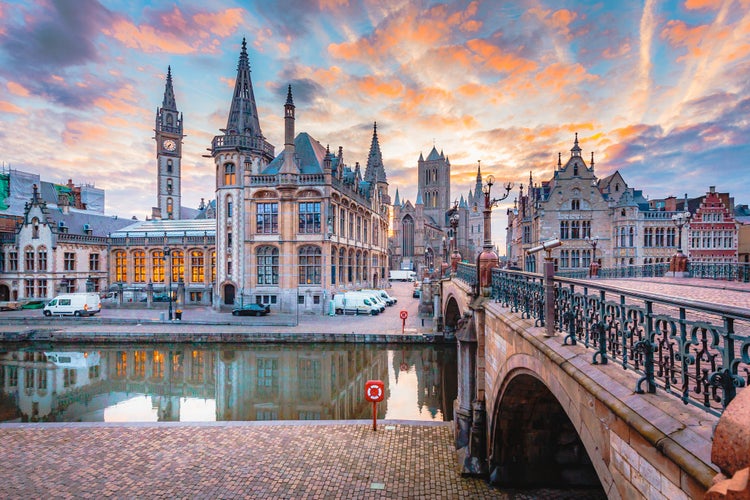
x=168 y=135
x=434 y=182
x=239 y=153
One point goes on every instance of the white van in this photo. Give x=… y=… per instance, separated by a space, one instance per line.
x=353 y=303
x=373 y=297
x=77 y=304
x=383 y=295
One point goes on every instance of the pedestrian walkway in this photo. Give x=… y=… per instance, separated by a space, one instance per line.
x=235 y=460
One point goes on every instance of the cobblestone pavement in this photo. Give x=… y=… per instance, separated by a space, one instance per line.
x=237 y=460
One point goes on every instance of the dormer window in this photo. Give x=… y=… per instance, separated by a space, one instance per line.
x=575 y=169
x=575 y=204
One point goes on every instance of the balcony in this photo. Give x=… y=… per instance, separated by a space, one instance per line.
x=242 y=142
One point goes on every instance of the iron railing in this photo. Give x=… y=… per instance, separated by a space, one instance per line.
x=738 y=271
x=698 y=351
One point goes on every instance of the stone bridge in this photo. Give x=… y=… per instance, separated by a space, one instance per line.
x=534 y=412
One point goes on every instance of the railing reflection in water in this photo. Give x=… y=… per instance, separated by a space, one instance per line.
x=697 y=351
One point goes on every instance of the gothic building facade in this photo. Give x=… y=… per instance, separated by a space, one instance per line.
x=293 y=228
x=422 y=236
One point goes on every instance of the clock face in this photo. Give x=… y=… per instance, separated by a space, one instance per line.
x=169 y=145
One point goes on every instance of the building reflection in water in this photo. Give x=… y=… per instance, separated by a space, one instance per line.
x=264 y=382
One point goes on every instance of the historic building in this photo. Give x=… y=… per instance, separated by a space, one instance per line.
x=421 y=233
x=604 y=220
x=174 y=251
x=294 y=228
x=53 y=247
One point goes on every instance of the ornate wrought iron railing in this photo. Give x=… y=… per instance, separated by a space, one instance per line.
x=467 y=273
x=738 y=271
x=697 y=351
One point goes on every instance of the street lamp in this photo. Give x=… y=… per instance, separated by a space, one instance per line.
x=680 y=220
x=594 y=266
x=168 y=264
x=488 y=259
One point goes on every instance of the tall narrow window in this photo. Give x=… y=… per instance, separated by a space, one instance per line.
x=170 y=208
x=157 y=266
x=169 y=186
x=29 y=259
x=230 y=177
x=229 y=206
x=93 y=262
x=35 y=228
x=178 y=265
x=69 y=261
x=268 y=265
x=13 y=261
x=309 y=265
x=197 y=267
x=121 y=269
x=139 y=266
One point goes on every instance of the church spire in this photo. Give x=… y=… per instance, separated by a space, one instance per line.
x=576 y=149
x=243 y=115
x=397 y=201
x=375 y=170
x=169 y=101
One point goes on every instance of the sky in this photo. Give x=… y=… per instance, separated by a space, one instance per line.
x=658 y=90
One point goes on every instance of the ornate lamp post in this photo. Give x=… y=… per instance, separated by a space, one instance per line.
x=678 y=263
x=454 y=220
x=488 y=259
x=594 y=267
x=168 y=264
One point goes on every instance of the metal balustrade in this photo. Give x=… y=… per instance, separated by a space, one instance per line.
x=697 y=351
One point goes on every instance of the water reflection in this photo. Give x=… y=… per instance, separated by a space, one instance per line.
x=264 y=382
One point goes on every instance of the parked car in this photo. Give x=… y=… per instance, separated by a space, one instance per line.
x=251 y=310
x=417 y=293
x=33 y=304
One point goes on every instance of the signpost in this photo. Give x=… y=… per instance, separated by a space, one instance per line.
x=403 y=315
x=375 y=393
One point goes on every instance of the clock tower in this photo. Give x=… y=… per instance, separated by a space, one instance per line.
x=168 y=154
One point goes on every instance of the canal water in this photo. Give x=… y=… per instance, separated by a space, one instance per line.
x=188 y=383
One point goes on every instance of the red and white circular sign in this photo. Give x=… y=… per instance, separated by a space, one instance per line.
x=374 y=391
x=404 y=314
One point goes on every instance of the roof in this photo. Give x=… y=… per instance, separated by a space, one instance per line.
x=434 y=155
x=308 y=154
x=75 y=220
x=158 y=227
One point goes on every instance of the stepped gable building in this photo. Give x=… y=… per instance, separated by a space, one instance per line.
x=604 y=220
x=297 y=227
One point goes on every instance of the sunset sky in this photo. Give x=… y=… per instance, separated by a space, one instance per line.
x=657 y=90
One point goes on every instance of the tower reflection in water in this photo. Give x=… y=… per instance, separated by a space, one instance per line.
x=186 y=383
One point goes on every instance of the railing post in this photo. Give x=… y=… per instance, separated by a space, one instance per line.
x=549 y=296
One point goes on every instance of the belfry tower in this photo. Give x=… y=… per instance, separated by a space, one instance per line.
x=168 y=135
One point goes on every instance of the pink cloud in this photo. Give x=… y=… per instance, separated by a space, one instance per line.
x=17 y=89
x=8 y=107
x=77 y=132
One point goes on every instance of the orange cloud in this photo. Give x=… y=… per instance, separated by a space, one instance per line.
x=558 y=76
x=616 y=52
x=701 y=4
x=17 y=89
x=76 y=132
x=8 y=107
x=680 y=34
x=559 y=20
x=373 y=87
x=493 y=58
x=332 y=4
x=123 y=100
x=222 y=23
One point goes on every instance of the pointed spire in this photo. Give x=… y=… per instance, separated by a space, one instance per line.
x=421 y=158
x=576 y=149
x=169 y=102
x=559 y=160
x=289 y=100
x=375 y=170
x=397 y=200
x=419 y=197
x=592 y=160
x=243 y=115
x=479 y=171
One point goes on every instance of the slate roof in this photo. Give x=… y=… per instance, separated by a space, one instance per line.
x=309 y=155
x=75 y=220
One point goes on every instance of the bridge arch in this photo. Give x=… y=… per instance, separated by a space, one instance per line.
x=534 y=441
x=451 y=314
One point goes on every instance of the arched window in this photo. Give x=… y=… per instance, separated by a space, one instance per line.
x=268 y=265
x=41 y=255
x=197 y=267
x=213 y=267
x=35 y=228
x=407 y=236
x=342 y=265
x=229 y=206
x=309 y=265
x=230 y=177
x=28 y=259
x=157 y=266
x=169 y=186
x=170 y=207
x=139 y=266
x=350 y=267
x=169 y=166
x=334 y=254
x=178 y=265
x=121 y=267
